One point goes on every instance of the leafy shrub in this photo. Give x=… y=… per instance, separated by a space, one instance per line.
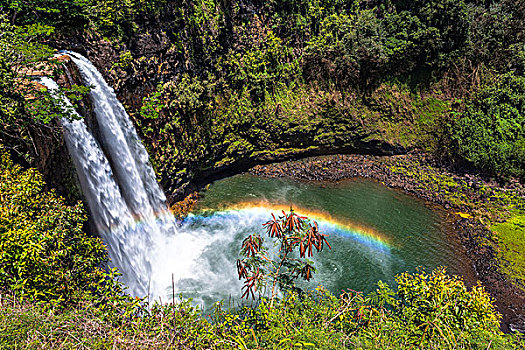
x=23 y=107
x=264 y=66
x=490 y=133
x=431 y=311
x=436 y=304
x=44 y=255
x=293 y=234
x=50 y=11
x=118 y=16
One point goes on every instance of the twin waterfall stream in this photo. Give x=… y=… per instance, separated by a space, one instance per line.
x=125 y=201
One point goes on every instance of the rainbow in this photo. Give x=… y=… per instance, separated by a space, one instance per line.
x=326 y=222
x=160 y=217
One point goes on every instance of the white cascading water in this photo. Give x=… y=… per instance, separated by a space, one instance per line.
x=93 y=169
x=108 y=209
x=125 y=201
x=127 y=154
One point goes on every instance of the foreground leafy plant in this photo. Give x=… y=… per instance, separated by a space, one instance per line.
x=293 y=234
x=438 y=307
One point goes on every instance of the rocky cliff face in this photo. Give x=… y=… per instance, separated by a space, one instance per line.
x=329 y=123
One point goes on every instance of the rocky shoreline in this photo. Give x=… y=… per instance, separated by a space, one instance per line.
x=393 y=171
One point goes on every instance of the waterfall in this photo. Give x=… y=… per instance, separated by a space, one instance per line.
x=127 y=154
x=125 y=201
x=96 y=177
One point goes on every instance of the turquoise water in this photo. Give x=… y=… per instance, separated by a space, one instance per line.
x=375 y=232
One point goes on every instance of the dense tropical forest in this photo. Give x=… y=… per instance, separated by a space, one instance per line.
x=217 y=87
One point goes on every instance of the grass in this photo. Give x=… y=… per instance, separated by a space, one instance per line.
x=33 y=326
x=25 y=325
x=511 y=236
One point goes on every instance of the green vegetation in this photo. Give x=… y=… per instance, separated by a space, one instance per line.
x=293 y=78
x=431 y=311
x=510 y=238
x=235 y=83
x=227 y=83
x=117 y=16
x=491 y=130
x=27 y=112
x=44 y=255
